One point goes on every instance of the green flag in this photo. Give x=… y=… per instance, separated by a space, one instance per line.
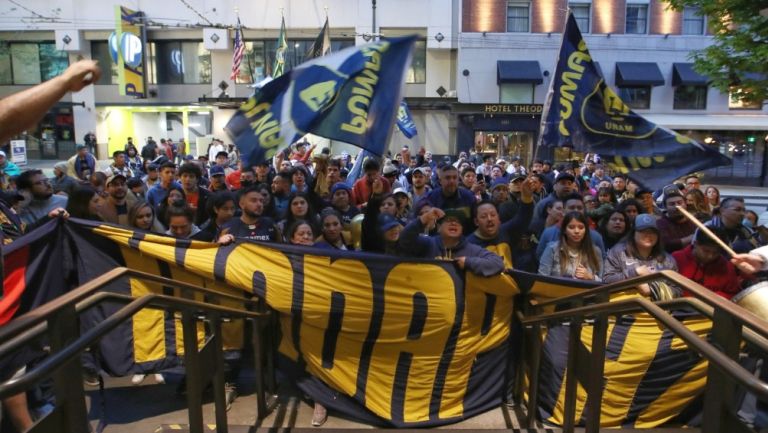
x=282 y=46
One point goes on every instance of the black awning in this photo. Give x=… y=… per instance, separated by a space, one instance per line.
x=638 y=74
x=518 y=71
x=684 y=75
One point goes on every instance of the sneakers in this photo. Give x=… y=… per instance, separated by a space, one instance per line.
x=230 y=394
x=138 y=378
x=91 y=378
x=320 y=415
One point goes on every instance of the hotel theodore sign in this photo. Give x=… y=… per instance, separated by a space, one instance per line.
x=510 y=109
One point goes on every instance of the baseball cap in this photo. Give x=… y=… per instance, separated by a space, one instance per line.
x=189 y=157
x=80 y=146
x=399 y=191
x=645 y=221
x=389 y=169
x=113 y=177
x=456 y=214
x=499 y=182
x=217 y=170
x=517 y=177
x=386 y=222
x=339 y=186
x=2 y=153
x=500 y=161
x=422 y=170
x=151 y=166
x=565 y=176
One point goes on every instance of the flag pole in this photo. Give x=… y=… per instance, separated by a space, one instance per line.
x=550 y=92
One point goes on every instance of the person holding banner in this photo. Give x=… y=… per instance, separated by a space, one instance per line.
x=450 y=243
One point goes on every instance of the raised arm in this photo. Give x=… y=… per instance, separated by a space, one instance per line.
x=22 y=110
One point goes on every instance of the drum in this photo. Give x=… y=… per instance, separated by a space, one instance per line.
x=755 y=299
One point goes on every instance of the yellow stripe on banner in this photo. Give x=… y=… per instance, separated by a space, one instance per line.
x=148 y=324
x=403 y=281
x=669 y=404
x=473 y=342
x=358 y=302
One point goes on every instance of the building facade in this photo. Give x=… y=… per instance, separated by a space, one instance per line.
x=189 y=48
x=507 y=52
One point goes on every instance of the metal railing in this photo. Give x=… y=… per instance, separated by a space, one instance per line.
x=730 y=325
x=57 y=322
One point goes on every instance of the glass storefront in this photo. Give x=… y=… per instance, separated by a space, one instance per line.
x=745 y=148
x=505 y=143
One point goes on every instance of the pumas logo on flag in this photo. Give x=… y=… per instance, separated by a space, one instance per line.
x=618 y=121
x=582 y=112
x=319 y=95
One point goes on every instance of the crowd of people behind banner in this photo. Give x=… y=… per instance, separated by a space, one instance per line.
x=484 y=213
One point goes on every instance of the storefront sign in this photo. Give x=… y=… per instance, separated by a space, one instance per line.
x=127 y=49
x=19 y=152
x=511 y=109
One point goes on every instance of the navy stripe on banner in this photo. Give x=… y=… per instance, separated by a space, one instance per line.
x=400 y=386
x=170 y=329
x=335 y=320
x=490 y=306
x=419 y=317
x=297 y=303
x=220 y=262
x=450 y=345
x=378 y=277
x=618 y=337
x=136 y=239
x=180 y=252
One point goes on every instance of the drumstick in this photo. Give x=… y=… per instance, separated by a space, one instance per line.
x=707 y=231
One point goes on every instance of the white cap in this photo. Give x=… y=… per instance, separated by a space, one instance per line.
x=2 y=153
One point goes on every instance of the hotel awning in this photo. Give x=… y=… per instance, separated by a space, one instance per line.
x=638 y=74
x=518 y=71
x=684 y=75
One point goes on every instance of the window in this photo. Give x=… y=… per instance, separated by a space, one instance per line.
x=636 y=96
x=690 y=98
x=179 y=62
x=637 y=18
x=30 y=62
x=516 y=93
x=734 y=103
x=252 y=67
x=581 y=13
x=100 y=52
x=518 y=15
x=693 y=21
x=417 y=72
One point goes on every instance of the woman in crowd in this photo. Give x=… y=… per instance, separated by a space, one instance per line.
x=403 y=203
x=332 y=236
x=750 y=219
x=573 y=255
x=697 y=205
x=641 y=254
x=84 y=203
x=133 y=160
x=174 y=197
x=300 y=232
x=606 y=203
x=388 y=205
x=713 y=198
x=221 y=207
x=299 y=208
x=142 y=216
x=380 y=229
x=300 y=179
x=631 y=208
x=614 y=228
x=553 y=213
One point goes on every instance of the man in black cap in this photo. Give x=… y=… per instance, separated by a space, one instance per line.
x=565 y=185
x=449 y=243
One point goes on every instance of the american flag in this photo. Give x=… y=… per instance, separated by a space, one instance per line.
x=237 y=56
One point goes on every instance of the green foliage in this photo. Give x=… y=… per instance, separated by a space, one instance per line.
x=738 y=58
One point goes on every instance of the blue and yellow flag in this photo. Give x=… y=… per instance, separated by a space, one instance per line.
x=282 y=47
x=405 y=121
x=351 y=96
x=586 y=114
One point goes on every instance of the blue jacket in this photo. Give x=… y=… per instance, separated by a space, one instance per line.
x=478 y=260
